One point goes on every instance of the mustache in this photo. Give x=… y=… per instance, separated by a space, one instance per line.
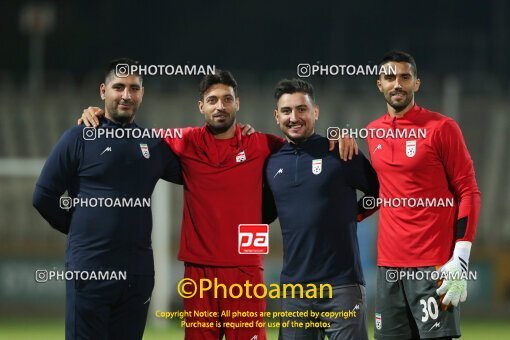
x=294 y=124
x=220 y=113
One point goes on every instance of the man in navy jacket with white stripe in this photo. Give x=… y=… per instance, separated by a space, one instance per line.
x=110 y=180
x=315 y=196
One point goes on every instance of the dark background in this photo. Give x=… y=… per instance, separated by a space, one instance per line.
x=468 y=37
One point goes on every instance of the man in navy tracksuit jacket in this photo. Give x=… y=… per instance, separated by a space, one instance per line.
x=315 y=196
x=114 y=235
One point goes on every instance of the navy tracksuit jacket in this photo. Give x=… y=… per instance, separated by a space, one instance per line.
x=105 y=238
x=315 y=196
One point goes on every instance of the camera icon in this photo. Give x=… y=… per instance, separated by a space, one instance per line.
x=304 y=70
x=368 y=202
x=122 y=70
x=391 y=275
x=89 y=133
x=333 y=133
x=66 y=203
x=41 y=275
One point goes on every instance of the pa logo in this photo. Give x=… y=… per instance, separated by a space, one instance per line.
x=253 y=239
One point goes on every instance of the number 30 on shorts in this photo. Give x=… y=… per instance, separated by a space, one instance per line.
x=430 y=309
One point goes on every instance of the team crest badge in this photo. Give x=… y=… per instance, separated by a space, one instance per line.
x=410 y=148
x=145 y=150
x=241 y=157
x=378 y=321
x=317 y=166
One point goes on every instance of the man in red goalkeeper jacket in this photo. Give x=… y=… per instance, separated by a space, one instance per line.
x=429 y=203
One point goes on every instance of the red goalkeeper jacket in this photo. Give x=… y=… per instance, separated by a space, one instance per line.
x=437 y=166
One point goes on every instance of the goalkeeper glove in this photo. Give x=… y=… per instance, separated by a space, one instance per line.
x=455 y=270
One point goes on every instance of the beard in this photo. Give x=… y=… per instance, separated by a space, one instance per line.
x=399 y=106
x=122 y=118
x=217 y=128
x=296 y=140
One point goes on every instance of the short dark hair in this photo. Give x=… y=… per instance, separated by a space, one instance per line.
x=112 y=67
x=399 y=57
x=219 y=77
x=291 y=86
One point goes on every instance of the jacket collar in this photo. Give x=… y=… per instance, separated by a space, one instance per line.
x=408 y=116
x=303 y=145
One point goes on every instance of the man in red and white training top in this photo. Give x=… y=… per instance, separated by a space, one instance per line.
x=222 y=171
x=429 y=204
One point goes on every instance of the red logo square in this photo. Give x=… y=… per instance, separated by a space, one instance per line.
x=253 y=239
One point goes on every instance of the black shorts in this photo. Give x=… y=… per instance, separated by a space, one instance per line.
x=410 y=308
x=100 y=309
